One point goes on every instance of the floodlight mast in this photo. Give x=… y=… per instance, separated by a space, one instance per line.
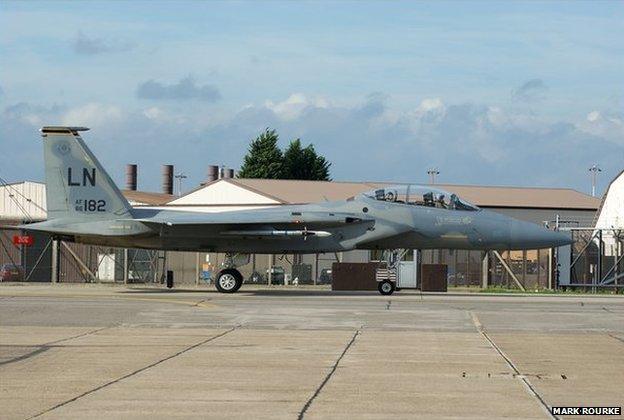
x=432 y=174
x=594 y=176
x=179 y=177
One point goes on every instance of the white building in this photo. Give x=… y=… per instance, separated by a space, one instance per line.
x=610 y=215
x=22 y=201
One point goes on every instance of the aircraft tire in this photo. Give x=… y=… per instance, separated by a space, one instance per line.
x=386 y=287
x=229 y=280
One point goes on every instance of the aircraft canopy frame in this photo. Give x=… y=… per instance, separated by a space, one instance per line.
x=421 y=195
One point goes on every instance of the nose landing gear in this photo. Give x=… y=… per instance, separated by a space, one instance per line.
x=386 y=287
x=387 y=273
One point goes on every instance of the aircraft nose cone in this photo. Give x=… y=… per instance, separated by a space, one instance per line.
x=528 y=235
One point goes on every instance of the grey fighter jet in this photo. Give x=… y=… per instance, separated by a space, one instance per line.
x=84 y=205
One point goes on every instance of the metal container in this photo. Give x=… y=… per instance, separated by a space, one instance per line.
x=131 y=176
x=167 y=179
x=213 y=173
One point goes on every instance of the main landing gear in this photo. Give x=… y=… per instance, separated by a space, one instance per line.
x=229 y=280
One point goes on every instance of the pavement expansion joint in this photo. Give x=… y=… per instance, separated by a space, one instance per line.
x=84 y=334
x=42 y=348
x=525 y=381
x=135 y=372
x=329 y=374
x=509 y=375
x=37 y=351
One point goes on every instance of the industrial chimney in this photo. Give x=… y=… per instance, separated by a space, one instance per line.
x=167 y=179
x=131 y=176
x=213 y=173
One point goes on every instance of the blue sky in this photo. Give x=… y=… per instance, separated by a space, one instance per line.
x=513 y=93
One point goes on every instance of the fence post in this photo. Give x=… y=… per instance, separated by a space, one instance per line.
x=197 y=270
x=485 y=269
x=125 y=266
x=55 y=261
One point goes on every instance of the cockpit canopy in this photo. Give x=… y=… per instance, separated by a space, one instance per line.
x=421 y=195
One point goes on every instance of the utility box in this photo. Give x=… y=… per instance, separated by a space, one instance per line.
x=433 y=277
x=563 y=268
x=354 y=276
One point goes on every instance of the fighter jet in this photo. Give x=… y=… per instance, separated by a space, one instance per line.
x=84 y=205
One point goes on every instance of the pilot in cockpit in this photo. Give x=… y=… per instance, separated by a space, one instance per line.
x=440 y=202
x=428 y=199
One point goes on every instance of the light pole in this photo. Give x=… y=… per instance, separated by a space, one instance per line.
x=594 y=175
x=432 y=174
x=180 y=177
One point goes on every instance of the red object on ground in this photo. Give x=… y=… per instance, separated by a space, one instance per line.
x=25 y=240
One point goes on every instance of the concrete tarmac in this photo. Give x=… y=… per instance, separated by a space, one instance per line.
x=93 y=351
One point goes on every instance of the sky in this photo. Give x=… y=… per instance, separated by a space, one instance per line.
x=488 y=93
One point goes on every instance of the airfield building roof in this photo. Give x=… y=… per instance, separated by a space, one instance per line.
x=299 y=192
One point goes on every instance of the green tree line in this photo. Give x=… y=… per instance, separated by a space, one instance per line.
x=266 y=160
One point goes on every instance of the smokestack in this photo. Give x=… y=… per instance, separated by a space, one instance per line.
x=131 y=176
x=230 y=173
x=213 y=173
x=167 y=179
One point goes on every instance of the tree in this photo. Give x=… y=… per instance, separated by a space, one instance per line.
x=293 y=161
x=304 y=163
x=264 y=158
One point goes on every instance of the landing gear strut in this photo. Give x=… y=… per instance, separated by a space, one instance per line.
x=387 y=274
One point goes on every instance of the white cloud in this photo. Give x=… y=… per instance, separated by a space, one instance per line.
x=153 y=113
x=370 y=140
x=293 y=106
x=608 y=125
x=92 y=115
x=431 y=105
x=33 y=115
x=593 y=116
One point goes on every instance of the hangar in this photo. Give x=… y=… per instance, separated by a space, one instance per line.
x=524 y=269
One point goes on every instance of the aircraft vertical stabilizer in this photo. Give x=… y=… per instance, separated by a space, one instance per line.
x=77 y=186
